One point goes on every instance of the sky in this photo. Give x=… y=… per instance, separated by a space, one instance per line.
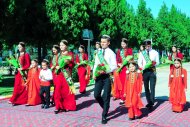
x=155 y=5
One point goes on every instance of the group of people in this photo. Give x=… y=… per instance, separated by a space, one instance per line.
x=126 y=84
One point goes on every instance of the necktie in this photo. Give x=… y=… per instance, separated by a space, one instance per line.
x=148 y=52
x=103 y=52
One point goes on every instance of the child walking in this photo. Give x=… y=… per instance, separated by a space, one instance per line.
x=45 y=78
x=177 y=86
x=132 y=91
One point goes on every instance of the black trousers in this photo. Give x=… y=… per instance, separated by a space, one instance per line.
x=149 y=78
x=103 y=82
x=45 y=100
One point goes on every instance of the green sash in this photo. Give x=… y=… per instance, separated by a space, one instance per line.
x=122 y=51
x=80 y=57
x=146 y=57
x=54 y=59
x=103 y=61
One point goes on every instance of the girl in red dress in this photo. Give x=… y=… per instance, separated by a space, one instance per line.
x=83 y=71
x=121 y=55
x=177 y=86
x=174 y=55
x=132 y=91
x=63 y=96
x=33 y=84
x=20 y=94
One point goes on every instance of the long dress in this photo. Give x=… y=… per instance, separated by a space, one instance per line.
x=174 y=56
x=121 y=55
x=20 y=94
x=63 y=97
x=82 y=71
x=133 y=89
x=54 y=62
x=177 y=85
x=33 y=87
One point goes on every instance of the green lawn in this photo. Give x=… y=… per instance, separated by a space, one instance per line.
x=6 y=86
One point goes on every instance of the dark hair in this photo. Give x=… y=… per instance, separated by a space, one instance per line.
x=22 y=44
x=106 y=37
x=124 y=40
x=45 y=61
x=64 y=42
x=147 y=42
x=178 y=59
x=82 y=46
x=56 y=47
x=98 y=42
x=35 y=60
x=134 y=63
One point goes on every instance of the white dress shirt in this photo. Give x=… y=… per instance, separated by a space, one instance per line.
x=153 y=55
x=110 y=58
x=47 y=74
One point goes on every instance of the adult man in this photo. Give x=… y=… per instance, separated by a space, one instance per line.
x=148 y=59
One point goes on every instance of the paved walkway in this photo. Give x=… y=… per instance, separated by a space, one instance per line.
x=89 y=112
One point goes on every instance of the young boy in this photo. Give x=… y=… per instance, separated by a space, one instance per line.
x=105 y=57
x=45 y=78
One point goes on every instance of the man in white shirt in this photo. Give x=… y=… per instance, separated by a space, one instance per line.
x=104 y=56
x=149 y=55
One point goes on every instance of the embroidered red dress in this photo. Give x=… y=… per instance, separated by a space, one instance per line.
x=63 y=97
x=33 y=87
x=133 y=89
x=119 y=83
x=177 y=85
x=83 y=72
x=20 y=94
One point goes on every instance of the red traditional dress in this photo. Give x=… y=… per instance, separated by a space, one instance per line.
x=174 y=56
x=177 y=85
x=20 y=94
x=33 y=87
x=119 y=82
x=133 y=89
x=63 y=97
x=54 y=63
x=83 y=71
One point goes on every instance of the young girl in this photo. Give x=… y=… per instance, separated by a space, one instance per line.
x=132 y=91
x=33 y=84
x=177 y=86
x=83 y=71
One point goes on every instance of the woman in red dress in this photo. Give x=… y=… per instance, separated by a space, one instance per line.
x=121 y=55
x=20 y=94
x=83 y=71
x=63 y=96
x=33 y=84
x=174 y=55
x=53 y=65
x=177 y=86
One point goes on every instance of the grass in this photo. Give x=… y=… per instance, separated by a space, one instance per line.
x=6 y=86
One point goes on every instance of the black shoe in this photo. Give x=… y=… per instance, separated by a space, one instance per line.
x=131 y=118
x=46 y=106
x=137 y=117
x=13 y=104
x=83 y=92
x=122 y=103
x=56 y=111
x=42 y=106
x=114 y=99
x=104 y=120
x=150 y=105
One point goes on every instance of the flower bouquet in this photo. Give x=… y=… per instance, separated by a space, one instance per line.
x=149 y=64
x=101 y=68
x=14 y=62
x=124 y=63
x=62 y=62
